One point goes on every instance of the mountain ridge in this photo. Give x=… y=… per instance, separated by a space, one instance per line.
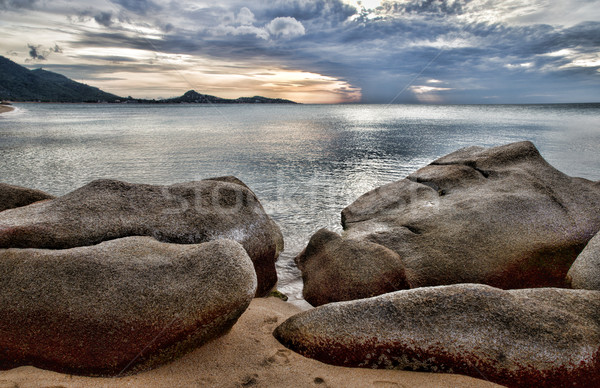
x=19 y=84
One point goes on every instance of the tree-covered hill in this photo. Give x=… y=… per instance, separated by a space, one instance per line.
x=18 y=83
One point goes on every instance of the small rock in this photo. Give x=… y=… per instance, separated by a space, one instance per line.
x=16 y=196
x=585 y=271
x=336 y=269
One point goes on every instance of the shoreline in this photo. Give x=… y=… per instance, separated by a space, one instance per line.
x=6 y=108
x=248 y=355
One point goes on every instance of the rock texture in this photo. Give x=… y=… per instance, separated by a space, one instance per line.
x=334 y=269
x=186 y=213
x=585 y=271
x=16 y=196
x=119 y=306
x=543 y=337
x=247 y=356
x=500 y=216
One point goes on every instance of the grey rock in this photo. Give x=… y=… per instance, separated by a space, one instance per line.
x=585 y=271
x=186 y=213
x=335 y=269
x=500 y=216
x=543 y=337
x=120 y=306
x=16 y=196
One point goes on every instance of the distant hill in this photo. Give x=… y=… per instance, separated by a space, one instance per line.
x=193 y=97
x=18 y=83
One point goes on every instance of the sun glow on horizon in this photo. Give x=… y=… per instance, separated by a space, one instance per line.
x=295 y=85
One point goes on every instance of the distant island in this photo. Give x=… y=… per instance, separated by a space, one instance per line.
x=193 y=97
x=19 y=84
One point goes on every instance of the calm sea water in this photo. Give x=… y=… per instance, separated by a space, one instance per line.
x=305 y=162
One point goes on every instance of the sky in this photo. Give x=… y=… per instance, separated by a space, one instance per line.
x=316 y=51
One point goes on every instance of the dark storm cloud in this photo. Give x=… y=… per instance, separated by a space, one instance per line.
x=34 y=52
x=585 y=34
x=99 y=71
x=141 y=7
x=329 y=11
x=104 y=18
x=109 y=58
x=490 y=52
x=38 y=53
x=537 y=39
x=425 y=6
x=116 y=39
x=17 y=4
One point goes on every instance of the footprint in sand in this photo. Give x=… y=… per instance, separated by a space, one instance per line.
x=388 y=384
x=281 y=357
x=204 y=381
x=250 y=380
x=269 y=324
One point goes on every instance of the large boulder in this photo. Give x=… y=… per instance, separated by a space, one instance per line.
x=585 y=271
x=334 y=269
x=185 y=213
x=500 y=216
x=544 y=337
x=16 y=196
x=119 y=306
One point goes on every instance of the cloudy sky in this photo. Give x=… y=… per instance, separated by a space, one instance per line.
x=316 y=51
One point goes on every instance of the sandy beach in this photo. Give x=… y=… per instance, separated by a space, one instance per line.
x=6 y=108
x=246 y=356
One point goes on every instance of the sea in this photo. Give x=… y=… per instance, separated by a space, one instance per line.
x=304 y=162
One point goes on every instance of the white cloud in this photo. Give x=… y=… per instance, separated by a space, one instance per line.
x=592 y=60
x=525 y=65
x=419 y=89
x=445 y=42
x=367 y=4
x=575 y=58
x=428 y=94
x=560 y=53
x=287 y=27
x=245 y=17
x=244 y=30
x=554 y=12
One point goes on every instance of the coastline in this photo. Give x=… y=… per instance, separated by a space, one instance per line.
x=248 y=355
x=6 y=108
